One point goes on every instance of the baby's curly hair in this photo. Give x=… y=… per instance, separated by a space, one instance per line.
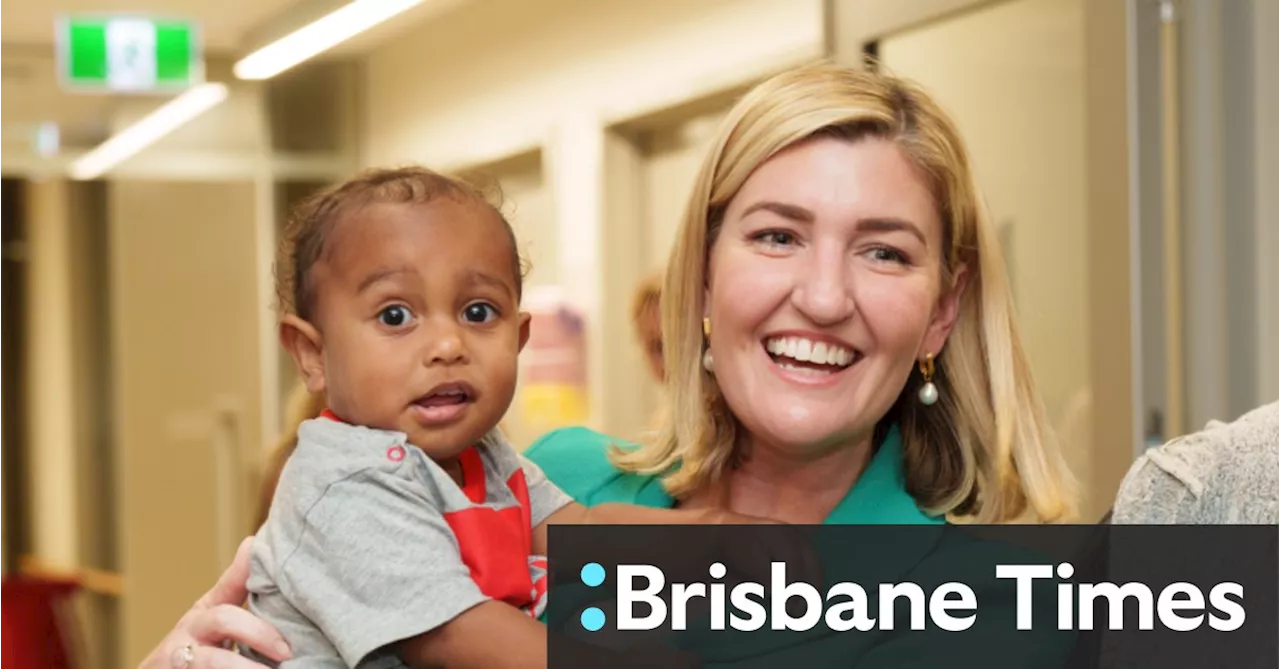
x=312 y=220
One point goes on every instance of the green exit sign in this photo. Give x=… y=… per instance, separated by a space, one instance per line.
x=128 y=54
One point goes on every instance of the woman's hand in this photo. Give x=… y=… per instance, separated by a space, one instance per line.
x=201 y=638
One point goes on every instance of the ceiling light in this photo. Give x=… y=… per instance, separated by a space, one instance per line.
x=316 y=37
x=146 y=131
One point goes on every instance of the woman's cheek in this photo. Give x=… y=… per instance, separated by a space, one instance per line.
x=894 y=303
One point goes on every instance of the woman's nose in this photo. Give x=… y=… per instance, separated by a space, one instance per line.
x=822 y=290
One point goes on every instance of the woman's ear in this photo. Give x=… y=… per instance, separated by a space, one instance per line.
x=304 y=344
x=946 y=313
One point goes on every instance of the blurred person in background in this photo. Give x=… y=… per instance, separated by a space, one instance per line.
x=839 y=345
x=302 y=405
x=1225 y=474
x=646 y=318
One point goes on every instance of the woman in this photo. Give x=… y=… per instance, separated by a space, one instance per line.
x=839 y=338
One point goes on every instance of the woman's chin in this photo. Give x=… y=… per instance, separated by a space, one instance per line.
x=799 y=429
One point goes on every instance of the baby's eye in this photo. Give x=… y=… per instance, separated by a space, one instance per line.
x=395 y=316
x=479 y=313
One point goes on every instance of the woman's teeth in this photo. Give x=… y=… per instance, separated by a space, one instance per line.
x=800 y=349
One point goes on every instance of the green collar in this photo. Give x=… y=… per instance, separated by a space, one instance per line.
x=879 y=497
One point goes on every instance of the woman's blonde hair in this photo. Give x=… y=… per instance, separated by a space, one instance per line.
x=982 y=453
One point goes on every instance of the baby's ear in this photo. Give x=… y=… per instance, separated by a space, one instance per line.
x=526 y=324
x=304 y=343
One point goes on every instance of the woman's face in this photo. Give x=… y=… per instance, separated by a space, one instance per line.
x=824 y=290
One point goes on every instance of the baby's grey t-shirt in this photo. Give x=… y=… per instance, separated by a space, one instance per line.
x=368 y=542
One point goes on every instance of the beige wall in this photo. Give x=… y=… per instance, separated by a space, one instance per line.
x=1265 y=79
x=185 y=317
x=497 y=77
x=52 y=423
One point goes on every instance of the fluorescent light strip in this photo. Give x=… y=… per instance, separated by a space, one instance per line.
x=146 y=131
x=316 y=37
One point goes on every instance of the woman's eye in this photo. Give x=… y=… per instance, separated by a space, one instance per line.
x=885 y=254
x=479 y=313
x=777 y=238
x=395 y=316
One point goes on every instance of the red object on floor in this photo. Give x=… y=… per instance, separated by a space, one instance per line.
x=34 y=625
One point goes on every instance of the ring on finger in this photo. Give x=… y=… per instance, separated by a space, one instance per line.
x=183 y=657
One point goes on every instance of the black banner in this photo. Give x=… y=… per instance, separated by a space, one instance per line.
x=872 y=597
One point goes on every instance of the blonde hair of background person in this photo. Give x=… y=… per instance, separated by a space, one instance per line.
x=301 y=406
x=646 y=319
x=984 y=452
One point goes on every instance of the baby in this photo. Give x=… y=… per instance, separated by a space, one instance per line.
x=405 y=530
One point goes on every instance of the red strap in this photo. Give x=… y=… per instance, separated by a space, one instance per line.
x=472 y=475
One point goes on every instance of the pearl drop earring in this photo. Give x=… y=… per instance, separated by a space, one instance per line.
x=928 y=392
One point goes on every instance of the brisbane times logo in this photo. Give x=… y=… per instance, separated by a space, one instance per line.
x=643 y=599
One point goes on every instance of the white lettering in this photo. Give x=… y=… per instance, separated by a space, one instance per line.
x=1168 y=606
x=781 y=592
x=1024 y=574
x=857 y=605
x=681 y=593
x=717 y=606
x=740 y=597
x=1235 y=612
x=939 y=605
x=1115 y=596
x=889 y=594
x=628 y=596
x=1066 y=606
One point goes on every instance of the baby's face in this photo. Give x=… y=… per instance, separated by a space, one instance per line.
x=417 y=310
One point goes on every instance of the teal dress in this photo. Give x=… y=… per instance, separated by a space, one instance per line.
x=576 y=459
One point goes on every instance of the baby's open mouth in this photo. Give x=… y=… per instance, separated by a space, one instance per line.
x=799 y=354
x=446 y=395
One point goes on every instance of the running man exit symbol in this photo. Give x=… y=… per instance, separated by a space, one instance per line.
x=128 y=54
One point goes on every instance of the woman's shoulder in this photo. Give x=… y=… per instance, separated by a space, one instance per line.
x=576 y=459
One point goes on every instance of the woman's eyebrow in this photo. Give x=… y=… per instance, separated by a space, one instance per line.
x=799 y=214
x=790 y=211
x=890 y=225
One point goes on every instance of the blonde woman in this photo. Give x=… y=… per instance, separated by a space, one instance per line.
x=839 y=338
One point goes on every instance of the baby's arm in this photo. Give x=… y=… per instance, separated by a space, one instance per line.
x=378 y=571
